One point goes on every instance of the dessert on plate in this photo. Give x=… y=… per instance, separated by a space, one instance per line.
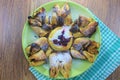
x=61 y=39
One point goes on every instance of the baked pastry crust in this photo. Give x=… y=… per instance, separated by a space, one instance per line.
x=60 y=62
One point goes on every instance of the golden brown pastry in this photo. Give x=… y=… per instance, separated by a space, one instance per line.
x=68 y=20
x=60 y=62
x=57 y=9
x=37 y=63
x=77 y=54
x=34 y=22
x=60 y=21
x=54 y=19
x=43 y=43
x=49 y=51
x=84 y=26
x=80 y=43
x=36 y=25
x=93 y=47
x=61 y=16
x=89 y=29
x=40 y=43
x=74 y=28
x=57 y=19
x=89 y=56
x=39 y=31
x=77 y=35
x=37 y=58
x=40 y=12
x=84 y=21
x=40 y=15
x=54 y=65
x=65 y=65
x=65 y=11
x=40 y=22
x=32 y=48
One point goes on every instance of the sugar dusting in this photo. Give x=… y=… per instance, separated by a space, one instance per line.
x=59 y=32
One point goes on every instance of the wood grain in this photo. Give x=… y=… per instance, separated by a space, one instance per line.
x=13 y=14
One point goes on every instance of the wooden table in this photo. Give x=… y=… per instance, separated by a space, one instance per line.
x=13 y=14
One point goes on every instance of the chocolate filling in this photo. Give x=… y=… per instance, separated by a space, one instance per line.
x=34 y=47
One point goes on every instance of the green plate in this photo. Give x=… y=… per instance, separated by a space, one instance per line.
x=28 y=36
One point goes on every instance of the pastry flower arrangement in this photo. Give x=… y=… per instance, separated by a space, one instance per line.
x=61 y=39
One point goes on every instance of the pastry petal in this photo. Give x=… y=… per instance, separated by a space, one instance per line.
x=90 y=29
x=80 y=43
x=43 y=43
x=54 y=65
x=32 y=48
x=60 y=61
x=77 y=54
x=65 y=11
x=93 y=47
x=38 y=56
x=89 y=56
x=49 y=51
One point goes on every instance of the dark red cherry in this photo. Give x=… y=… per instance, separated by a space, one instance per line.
x=55 y=41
